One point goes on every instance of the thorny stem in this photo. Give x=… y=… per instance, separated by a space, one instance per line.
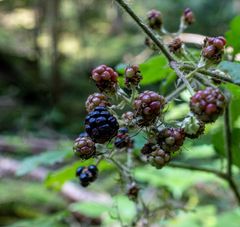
x=228 y=141
x=175 y=93
x=148 y=31
x=177 y=67
x=220 y=174
x=182 y=77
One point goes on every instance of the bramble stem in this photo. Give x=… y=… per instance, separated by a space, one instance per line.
x=175 y=93
x=148 y=31
x=174 y=66
x=228 y=141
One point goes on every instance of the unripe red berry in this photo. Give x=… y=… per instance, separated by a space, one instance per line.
x=208 y=104
x=176 y=45
x=188 y=16
x=154 y=19
x=132 y=76
x=96 y=99
x=105 y=79
x=84 y=147
x=155 y=155
x=148 y=106
x=171 y=139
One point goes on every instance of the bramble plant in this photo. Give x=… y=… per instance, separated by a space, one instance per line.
x=117 y=115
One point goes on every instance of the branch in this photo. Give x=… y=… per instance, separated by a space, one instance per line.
x=148 y=31
x=197 y=168
x=209 y=73
x=228 y=141
x=224 y=176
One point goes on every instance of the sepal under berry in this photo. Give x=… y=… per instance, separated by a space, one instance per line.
x=193 y=127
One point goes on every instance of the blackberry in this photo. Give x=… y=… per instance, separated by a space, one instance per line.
x=132 y=76
x=148 y=105
x=171 y=139
x=94 y=100
x=159 y=158
x=87 y=174
x=84 y=147
x=213 y=48
x=188 y=16
x=208 y=104
x=175 y=46
x=100 y=125
x=193 y=127
x=105 y=79
x=122 y=139
x=154 y=19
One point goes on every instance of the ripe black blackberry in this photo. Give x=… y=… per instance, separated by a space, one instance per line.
x=105 y=79
x=148 y=106
x=132 y=76
x=154 y=19
x=123 y=140
x=171 y=139
x=100 y=125
x=87 y=174
x=96 y=99
x=208 y=104
x=84 y=147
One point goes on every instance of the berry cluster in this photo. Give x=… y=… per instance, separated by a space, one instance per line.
x=213 y=48
x=87 y=175
x=115 y=113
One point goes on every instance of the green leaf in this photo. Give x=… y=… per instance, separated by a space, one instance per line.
x=124 y=208
x=234 y=103
x=90 y=209
x=155 y=69
x=230 y=219
x=233 y=34
x=46 y=158
x=232 y=68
